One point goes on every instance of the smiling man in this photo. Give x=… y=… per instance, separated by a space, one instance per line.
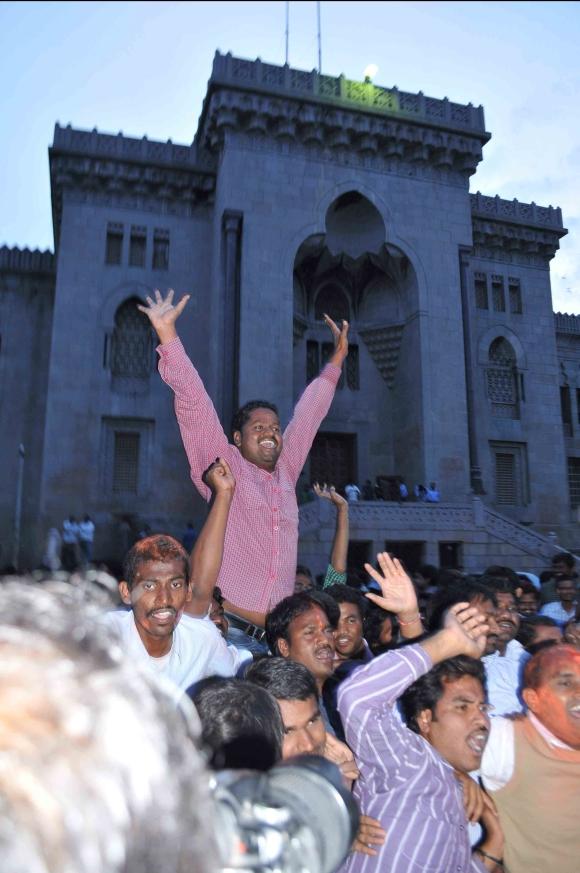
x=503 y=667
x=175 y=647
x=532 y=767
x=261 y=543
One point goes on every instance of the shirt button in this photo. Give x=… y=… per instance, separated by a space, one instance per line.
x=276 y=527
x=461 y=828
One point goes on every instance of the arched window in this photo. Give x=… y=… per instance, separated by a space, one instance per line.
x=132 y=342
x=502 y=379
x=332 y=300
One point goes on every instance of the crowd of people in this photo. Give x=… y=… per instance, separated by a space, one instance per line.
x=449 y=703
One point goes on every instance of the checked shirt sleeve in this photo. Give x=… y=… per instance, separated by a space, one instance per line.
x=309 y=414
x=203 y=436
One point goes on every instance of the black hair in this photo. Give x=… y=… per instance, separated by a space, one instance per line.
x=217 y=595
x=304 y=571
x=528 y=587
x=499 y=583
x=283 y=678
x=241 y=725
x=467 y=591
x=429 y=688
x=279 y=620
x=159 y=547
x=241 y=417
x=564 y=558
x=346 y=594
x=527 y=631
x=374 y=620
x=501 y=572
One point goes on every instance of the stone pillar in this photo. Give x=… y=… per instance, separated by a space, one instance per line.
x=232 y=246
x=474 y=468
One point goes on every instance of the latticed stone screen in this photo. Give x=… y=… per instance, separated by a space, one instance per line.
x=574 y=481
x=114 y=247
x=132 y=345
x=501 y=377
x=498 y=293
x=511 y=476
x=137 y=246
x=515 y=295
x=160 y=249
x=126 y=462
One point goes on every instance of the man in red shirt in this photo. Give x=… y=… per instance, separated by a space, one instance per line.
x=259 y=563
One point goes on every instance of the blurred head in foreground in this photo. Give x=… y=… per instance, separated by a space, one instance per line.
x=99 y=772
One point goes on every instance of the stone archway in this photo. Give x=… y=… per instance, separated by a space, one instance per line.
x=352 y=272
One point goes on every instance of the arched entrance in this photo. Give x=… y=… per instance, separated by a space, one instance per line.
x=352 y=272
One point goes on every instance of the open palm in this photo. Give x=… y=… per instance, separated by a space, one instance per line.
x=163 y=314
x=398 y=592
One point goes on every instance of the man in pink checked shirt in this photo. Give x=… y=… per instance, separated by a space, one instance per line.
x=259 y=563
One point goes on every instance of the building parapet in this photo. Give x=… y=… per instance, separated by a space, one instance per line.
x=565 y=323
x=15 y=260
x=285 y=80
x=91 y=142
x=514 y=212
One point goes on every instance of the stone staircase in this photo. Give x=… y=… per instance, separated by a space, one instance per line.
x=486 y=536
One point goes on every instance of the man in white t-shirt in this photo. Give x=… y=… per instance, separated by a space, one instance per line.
x=179 y=649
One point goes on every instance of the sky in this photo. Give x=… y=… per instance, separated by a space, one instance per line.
x=142 y=68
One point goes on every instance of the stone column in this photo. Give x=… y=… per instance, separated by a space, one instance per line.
x=474 y=468
x=232 y=246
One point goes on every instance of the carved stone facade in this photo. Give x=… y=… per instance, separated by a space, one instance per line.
x=301 y=194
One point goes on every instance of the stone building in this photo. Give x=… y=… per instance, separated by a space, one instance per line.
x=301 y=194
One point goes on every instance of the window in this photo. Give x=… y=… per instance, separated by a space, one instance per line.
x=352 y=368
x=125 y=458
x=332 y=459
x=126 y=462
x=578 y=403
x=312 y=360
x=160 y=249
x=515 y=296
x=574 y=481
x=327 y=351
x=498 y=293
x=480 y=282
x=114 y=247
x=502 y=380
x=132 y=344
x=510 y=473
x=137 y=246
x=566 y=407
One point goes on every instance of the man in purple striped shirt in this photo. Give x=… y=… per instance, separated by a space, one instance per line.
x=407 y=777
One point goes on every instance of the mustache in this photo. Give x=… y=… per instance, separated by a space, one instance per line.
x=162 y=609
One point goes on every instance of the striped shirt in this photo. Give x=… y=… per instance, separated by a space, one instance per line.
x=404 y=782
x=259 y=564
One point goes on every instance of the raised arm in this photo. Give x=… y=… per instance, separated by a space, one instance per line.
x=339 y=552
x=202 y=434
x=314 y=403
x=398 y=595
x=207 y=554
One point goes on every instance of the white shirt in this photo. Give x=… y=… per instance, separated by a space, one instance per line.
x=198 y=650
x=558 y=613
x=498 y=762
x=503 y=673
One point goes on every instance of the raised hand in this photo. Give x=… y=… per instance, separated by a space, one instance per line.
x=329 y=493
x=163 y=314
x=219 y=477
x=340 y=337
x=399 y=594
x=467 y=627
